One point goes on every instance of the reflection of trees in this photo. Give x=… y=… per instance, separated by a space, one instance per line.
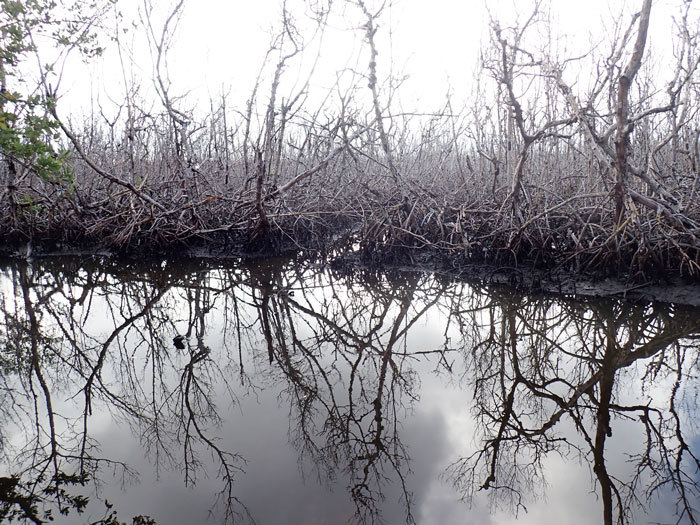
x=58 y=342
x=549 y=376
x=341 y=349
x=539 y=365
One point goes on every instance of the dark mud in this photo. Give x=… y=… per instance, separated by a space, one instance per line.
x=663 y=288
x=537 y=280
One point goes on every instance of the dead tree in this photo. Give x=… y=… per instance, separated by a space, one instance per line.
x=624 y=127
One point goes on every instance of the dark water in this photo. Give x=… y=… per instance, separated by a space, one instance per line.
x=303 y=395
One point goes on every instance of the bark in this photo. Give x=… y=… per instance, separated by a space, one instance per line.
x=624 y=127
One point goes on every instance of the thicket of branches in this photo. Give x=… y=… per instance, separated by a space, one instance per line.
x=587 y=162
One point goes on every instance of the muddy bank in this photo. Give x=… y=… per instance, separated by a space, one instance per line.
x=674 y=291
x=537 y=280
x=528 y=278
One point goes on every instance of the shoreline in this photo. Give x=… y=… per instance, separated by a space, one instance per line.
x=526 y=278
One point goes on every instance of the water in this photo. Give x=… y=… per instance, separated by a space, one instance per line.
x=297 y=394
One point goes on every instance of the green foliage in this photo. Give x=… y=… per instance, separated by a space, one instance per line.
x=19 y=502
x=28 y=138
x=15 y=503
x=57 y=490
x=28 y=131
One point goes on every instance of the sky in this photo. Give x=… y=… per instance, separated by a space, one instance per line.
x=433 y=47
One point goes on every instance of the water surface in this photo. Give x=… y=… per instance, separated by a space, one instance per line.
x=284 y=392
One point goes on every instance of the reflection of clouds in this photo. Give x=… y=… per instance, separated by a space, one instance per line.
x=430 y=449
x=307 y=386
x=569 y=498
x=277 y=489
x=442 y=429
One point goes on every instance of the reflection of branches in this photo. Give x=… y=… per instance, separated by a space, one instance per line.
x=199 y=406
x=537 y=364
x=546 y=377
x=54 y=331
x=50 y=453
x=348 y=385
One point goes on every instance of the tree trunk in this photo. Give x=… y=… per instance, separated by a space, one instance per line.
x=624 y=128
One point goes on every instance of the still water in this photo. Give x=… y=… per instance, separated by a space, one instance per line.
x=283 y=392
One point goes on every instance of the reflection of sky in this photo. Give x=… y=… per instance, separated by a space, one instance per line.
x=279 y=486
x=277 y=489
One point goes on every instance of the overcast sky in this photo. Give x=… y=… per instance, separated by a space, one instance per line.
x=219 y=46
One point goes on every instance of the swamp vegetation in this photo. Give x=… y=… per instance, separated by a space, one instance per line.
x=139 y=382
x=588 y=163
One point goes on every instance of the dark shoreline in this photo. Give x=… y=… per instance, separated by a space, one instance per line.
x=525 y=277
